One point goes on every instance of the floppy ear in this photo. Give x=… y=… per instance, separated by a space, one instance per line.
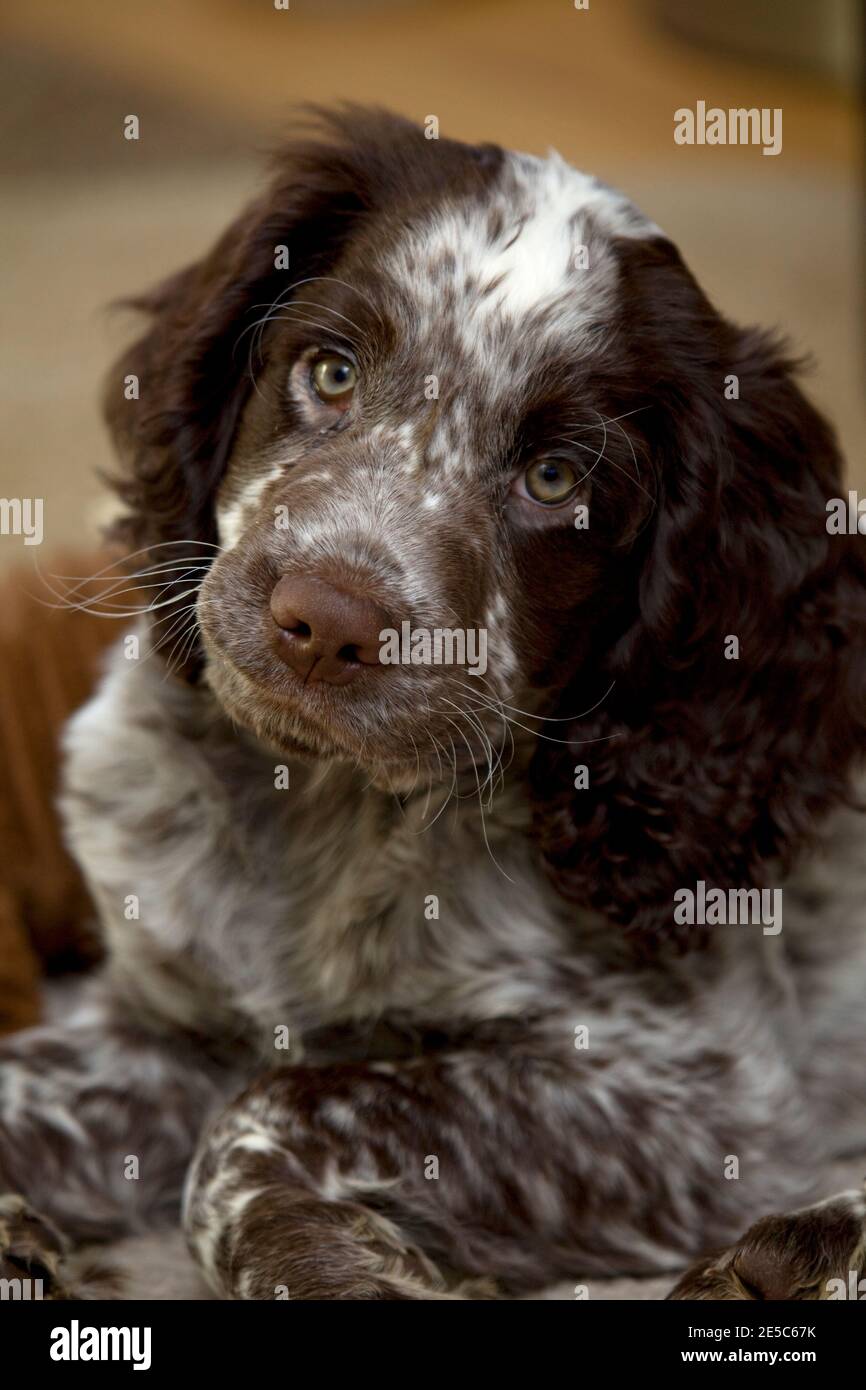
x=191 y=366
x=739 y=702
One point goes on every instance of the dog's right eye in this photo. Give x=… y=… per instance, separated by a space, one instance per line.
x=334 y=378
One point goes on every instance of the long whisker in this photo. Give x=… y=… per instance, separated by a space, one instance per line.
x=620 y=469
x=289 y=315
x=566 y=742
x=493 y=858
x=122 y=561
x=283 y=300
x=122 y=610
x=310 y=280
x=492 y=761
x=417 y=764
x=185 y=641
x=177 y=621
x=451 y=789
x=165 y=568
x=543 y=719
x=311 y=304
x=107 y=598
x=628 y=439
x=599 y=456
x=613 y=419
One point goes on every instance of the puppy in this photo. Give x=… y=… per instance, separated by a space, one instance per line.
x=494 y=618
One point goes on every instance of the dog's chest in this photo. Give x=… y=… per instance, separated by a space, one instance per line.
x=239 y=900
x=352 y=912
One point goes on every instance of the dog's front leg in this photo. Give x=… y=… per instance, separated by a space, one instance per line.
x=98 y=1121
x=315 y=1182
x=366 y=1180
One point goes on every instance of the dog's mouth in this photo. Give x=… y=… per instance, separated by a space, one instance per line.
x=299 y=662
x=389 y=740
x=381 y=731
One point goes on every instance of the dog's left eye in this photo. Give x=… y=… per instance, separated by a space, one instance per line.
x=333 y=378
x=549 y=480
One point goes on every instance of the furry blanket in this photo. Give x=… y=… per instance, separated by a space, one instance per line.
x=48 y=663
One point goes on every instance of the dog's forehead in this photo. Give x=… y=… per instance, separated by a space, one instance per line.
x=493 y=282
x=531 y=250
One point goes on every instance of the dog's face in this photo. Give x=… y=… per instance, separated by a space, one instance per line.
x=420 y=455
x=473 y=451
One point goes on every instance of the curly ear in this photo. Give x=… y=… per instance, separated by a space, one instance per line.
x=191 y=365
x=739 y=703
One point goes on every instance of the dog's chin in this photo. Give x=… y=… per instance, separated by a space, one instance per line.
x=267 y=714
x=274 y=721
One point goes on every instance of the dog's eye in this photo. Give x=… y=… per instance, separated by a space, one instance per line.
x=333 y=378
x=549 y=480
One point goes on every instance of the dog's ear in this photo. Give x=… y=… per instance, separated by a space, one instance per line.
x=739 y=702
x=175 y=398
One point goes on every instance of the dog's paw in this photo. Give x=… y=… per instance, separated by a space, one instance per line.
x=32 y=1251
x=799 y=1255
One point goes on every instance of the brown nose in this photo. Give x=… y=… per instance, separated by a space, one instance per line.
x=325 y=634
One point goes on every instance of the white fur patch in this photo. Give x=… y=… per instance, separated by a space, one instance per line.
x=534 y=260
x=235 y=514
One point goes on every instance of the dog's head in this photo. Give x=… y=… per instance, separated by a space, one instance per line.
x=468 y=446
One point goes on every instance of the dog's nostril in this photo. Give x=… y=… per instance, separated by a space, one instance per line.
x=335 y=631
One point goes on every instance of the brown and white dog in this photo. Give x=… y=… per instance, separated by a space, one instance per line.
x=398 y=991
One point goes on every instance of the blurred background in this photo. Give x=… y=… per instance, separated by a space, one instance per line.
x=89 y=216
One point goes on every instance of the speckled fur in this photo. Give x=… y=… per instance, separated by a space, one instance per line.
x=346 y=1094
